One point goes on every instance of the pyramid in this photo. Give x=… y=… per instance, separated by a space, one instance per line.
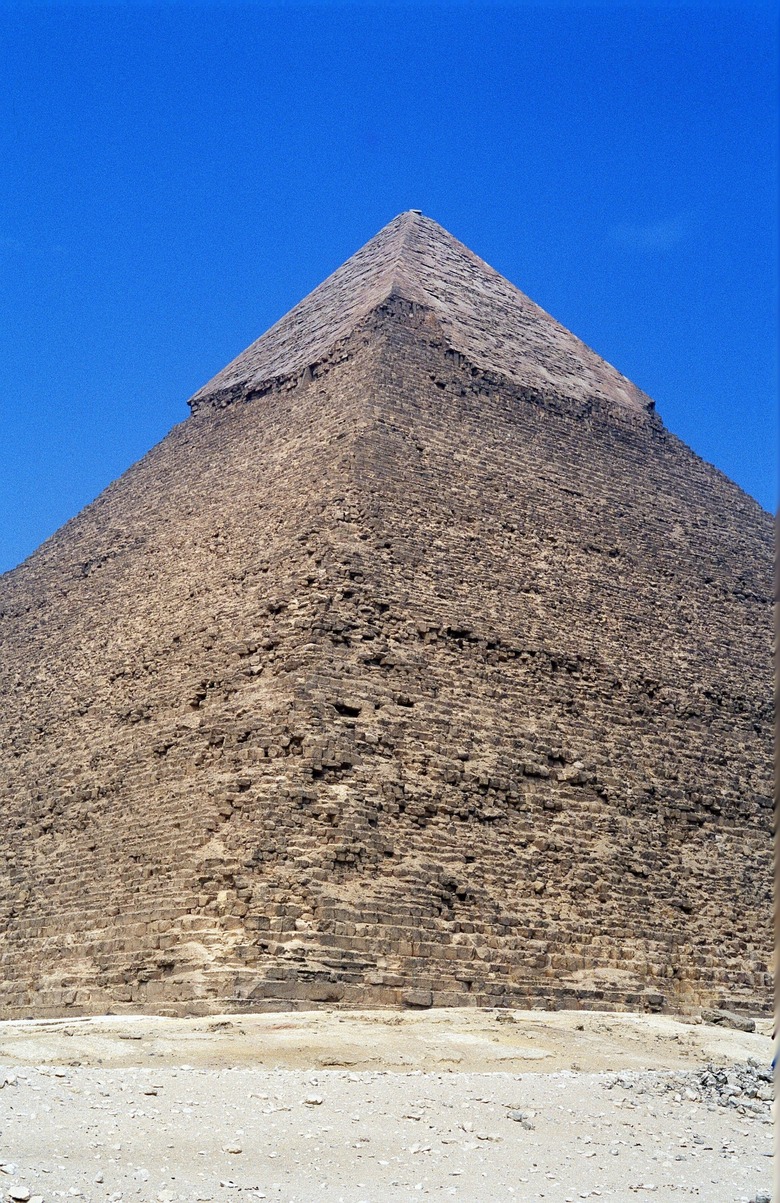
x=421 y=665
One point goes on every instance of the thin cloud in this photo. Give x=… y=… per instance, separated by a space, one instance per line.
x=653 y=235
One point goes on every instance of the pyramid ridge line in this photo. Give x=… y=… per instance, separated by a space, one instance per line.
x=407 y=217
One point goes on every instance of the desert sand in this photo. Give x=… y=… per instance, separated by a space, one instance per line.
x=385 y=1107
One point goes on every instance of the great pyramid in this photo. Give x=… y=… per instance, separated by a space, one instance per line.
x=421 y=664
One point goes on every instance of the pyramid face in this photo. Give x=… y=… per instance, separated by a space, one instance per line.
x=421 y=664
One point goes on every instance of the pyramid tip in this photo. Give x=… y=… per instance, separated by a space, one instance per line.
x=485 y=317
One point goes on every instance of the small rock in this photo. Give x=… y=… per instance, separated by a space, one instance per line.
x=520 y=1117
x=313 y=1100
x=232 y=1149
x=727 y=1019
x=20 y=1194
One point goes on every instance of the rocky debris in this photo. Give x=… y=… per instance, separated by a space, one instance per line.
x=727 y=1019
x=748 y=1087
x=745 y=1086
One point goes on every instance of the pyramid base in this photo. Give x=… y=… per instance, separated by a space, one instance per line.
x=218 y=991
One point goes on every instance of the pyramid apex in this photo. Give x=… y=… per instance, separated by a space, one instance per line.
x=481 y=314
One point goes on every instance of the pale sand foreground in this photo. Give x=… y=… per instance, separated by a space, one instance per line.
x=377 y=1106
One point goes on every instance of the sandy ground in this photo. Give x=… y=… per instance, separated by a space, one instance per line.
x=378 y=1107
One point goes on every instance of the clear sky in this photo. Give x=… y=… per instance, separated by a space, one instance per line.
x=174 y=177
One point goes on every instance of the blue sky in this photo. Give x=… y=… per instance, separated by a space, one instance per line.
x=174 y=177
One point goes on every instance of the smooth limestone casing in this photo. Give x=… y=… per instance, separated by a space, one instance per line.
x=400 y=681
x=498 y=328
